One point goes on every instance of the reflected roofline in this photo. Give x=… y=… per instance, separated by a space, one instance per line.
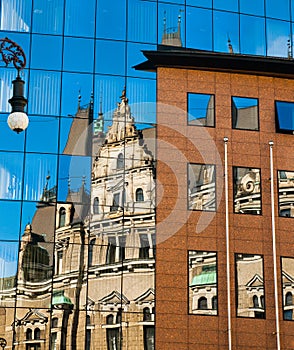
x=178 y=57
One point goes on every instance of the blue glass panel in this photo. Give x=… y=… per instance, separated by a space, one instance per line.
x=135 y=56
x=38 y=167
x=229 y=5
x=78 y=55
x=142 y=17
x=277 y=9
x=278 y=33
x=108 y=89
x=174 y=1
x=12 y=141
x=225 y=27
x=10 y=218
x=48 y=16
x=200 y=3
x=285 y=117
x=199 y=28
x=142 y=99
x=111 y=20
x=80 y=18
x=252 y=34
x=171 y=22
x=15 y=15
x=7 y=75
x=73 y=85
x=110 y=57
x=8 y=267
x=11 y=173
x=252 y=7
x=74 y=176
x=42 y=135
x=46 y=52
x=44 y=94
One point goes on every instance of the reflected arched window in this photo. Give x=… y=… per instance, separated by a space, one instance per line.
x=139 y=195
x=54 y=322
x=120 y=161
x=90 y=251
x=262 y=301
x=146 y=314
x=37 y=333
x=214 y=303
x=202 y=303
x=62 y=214
x=96 y=205
x=255 y=301
x=109 y=319
x=29 y=334
x=289 y=299
x=88 y=320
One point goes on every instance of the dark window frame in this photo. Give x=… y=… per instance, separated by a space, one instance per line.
x=232 y=113
x=279 y=129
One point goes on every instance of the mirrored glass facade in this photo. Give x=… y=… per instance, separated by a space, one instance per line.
x=286 y=187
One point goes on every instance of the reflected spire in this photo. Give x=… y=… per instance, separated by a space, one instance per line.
x=289 y=49
x=172 y=36
x=230 y=46
x=79 y=99
x=164 y=22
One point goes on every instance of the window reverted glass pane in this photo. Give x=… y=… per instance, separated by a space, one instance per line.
x=80 y=18
x=11 y=171
x=171 y=24
x=278 y=9
x=252 y=7
x=229 y=5
x=40 y=176
x=10 y=213
x=200 y=3
x=143 y=28
x=199 y=28
x=201 y=187
x=8 y=268
x=253 y=28
x=107 y=63
x=48 y=16
x=202 y=283
x=287 y=287
x=44 y=96
x=278 y=33
x=250 y=286
x=225 y=27
x=200 y=109
x=16 y=15
x=78 y=55
x=111 y=20
x=247 y=190
x=245 y=113
x=284 y=117
x=286 y=193
x=46 y=52
x=12 y=141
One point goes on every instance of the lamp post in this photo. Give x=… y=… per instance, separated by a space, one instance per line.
x=12 y=52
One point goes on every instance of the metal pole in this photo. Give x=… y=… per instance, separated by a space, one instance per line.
x=271 y=144
x=228 y=245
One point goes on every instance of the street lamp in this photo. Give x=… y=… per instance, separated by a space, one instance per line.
x=12 y=52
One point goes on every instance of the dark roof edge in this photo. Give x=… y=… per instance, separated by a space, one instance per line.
x=215 y=61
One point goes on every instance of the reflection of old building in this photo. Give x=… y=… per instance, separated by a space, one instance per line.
x=86 y=264
x=286 y=193
x=202 y=283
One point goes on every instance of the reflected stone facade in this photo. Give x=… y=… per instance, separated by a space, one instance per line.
x=86 y=265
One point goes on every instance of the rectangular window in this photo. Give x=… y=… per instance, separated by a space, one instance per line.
x=249 y=286
x=202 y=283
x=287 y=287
x=144 y=247
x=111 y=250
x=286 y=193
x=245 y=113
x=200 y=109
x=284 y=117
x=201 y=187
x=247 y=190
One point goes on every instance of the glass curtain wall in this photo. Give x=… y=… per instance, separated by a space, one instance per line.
x=67 y=190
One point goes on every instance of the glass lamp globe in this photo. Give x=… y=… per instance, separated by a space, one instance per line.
x=18 y=121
